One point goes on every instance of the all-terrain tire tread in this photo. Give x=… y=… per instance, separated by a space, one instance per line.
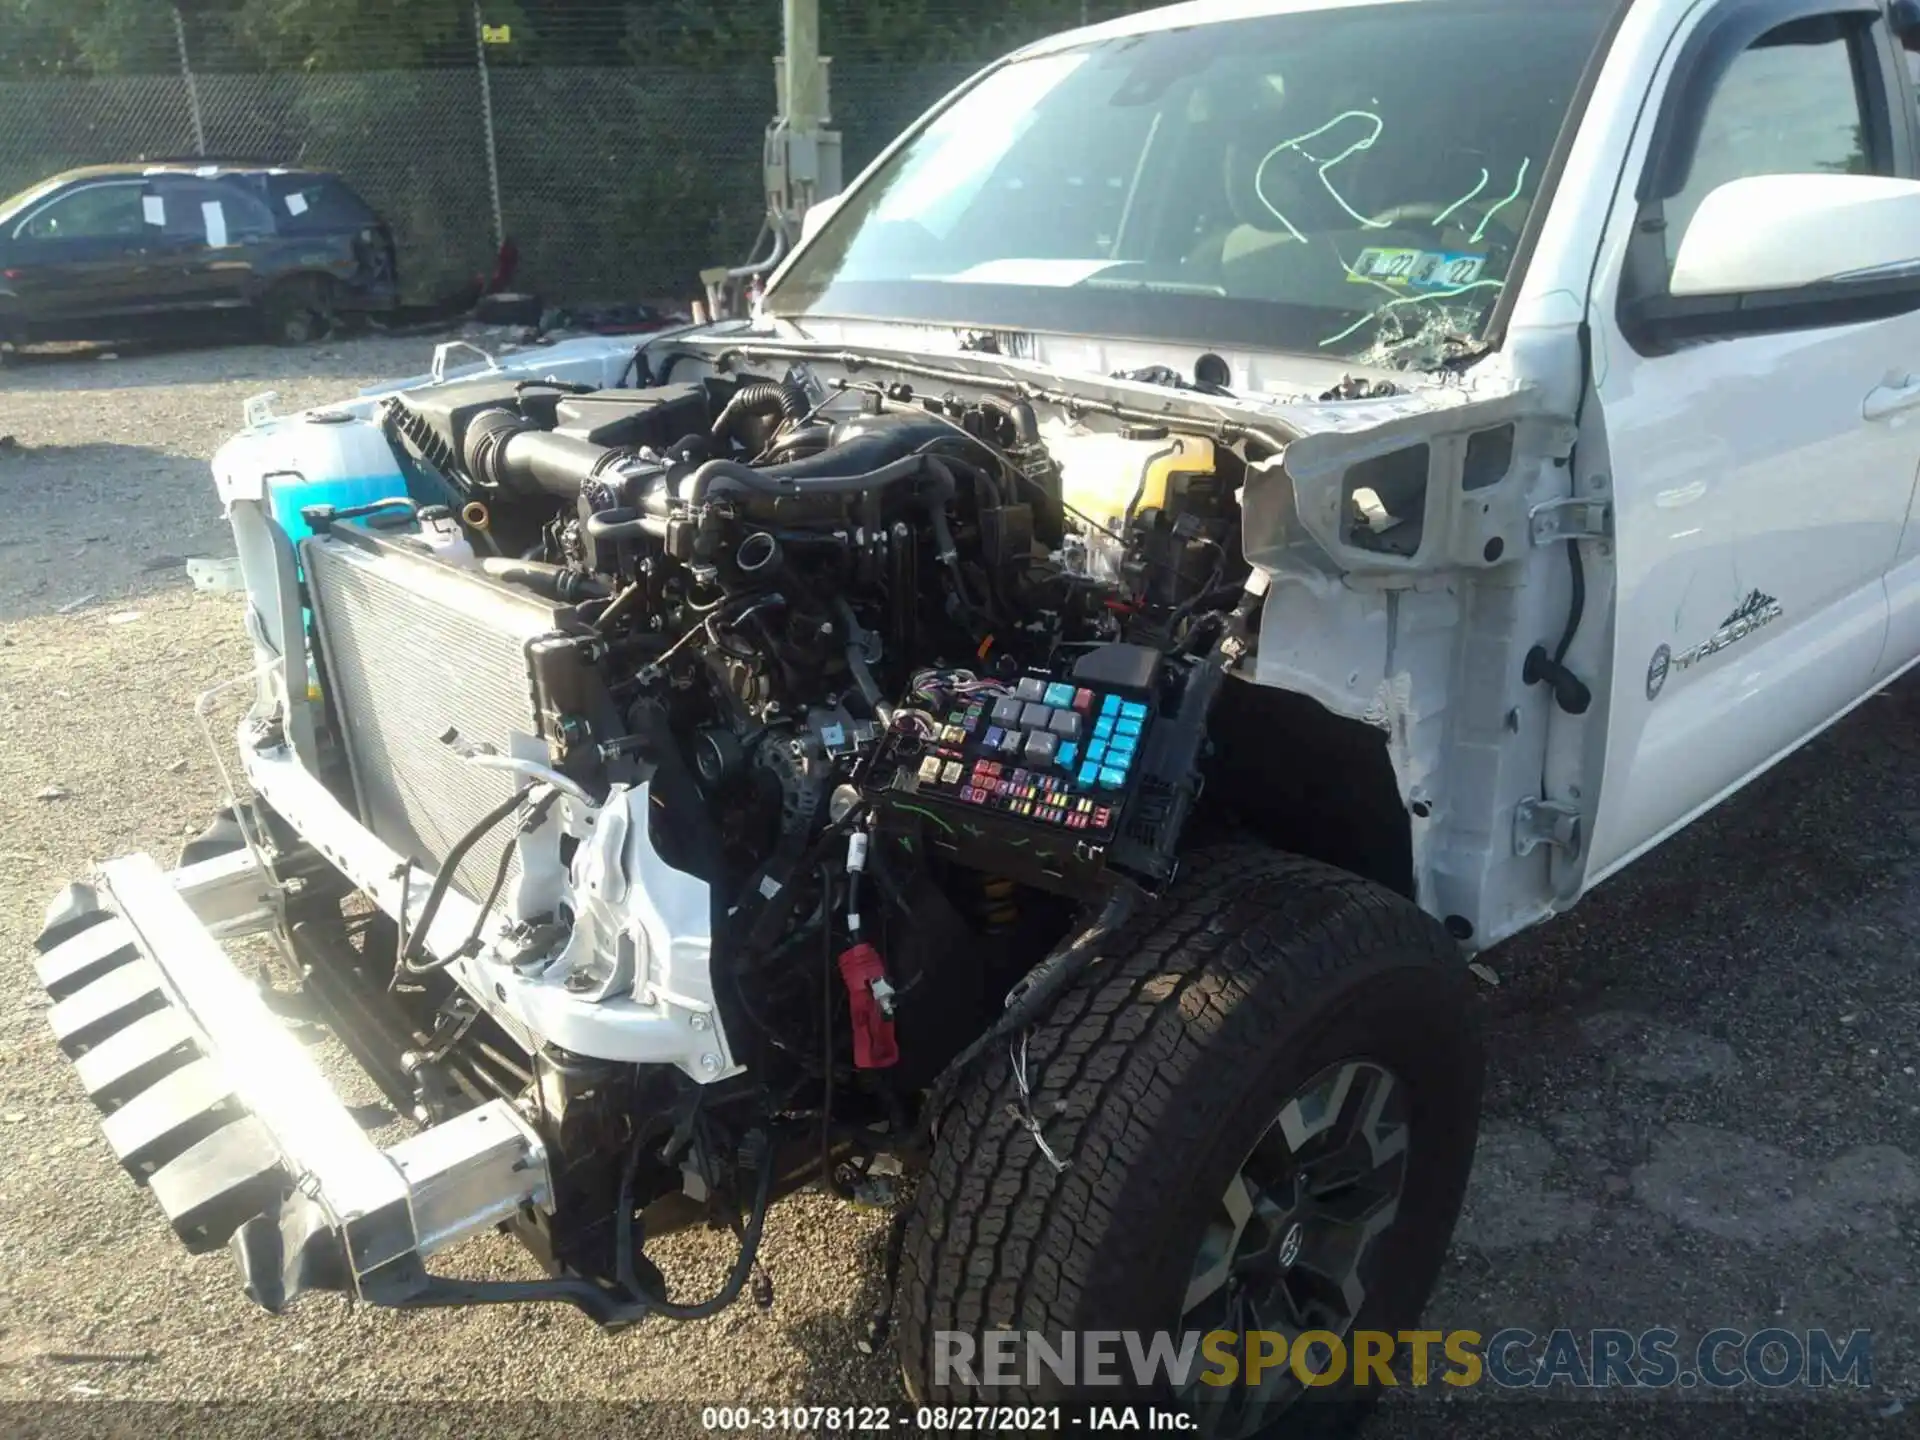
x=1001 y=1239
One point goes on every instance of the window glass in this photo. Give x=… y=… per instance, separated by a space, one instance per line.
x=15 y=204
x=1789 y=105
x=96 y=212
x=213 y=212
x=315 y=204
x=1349 y=181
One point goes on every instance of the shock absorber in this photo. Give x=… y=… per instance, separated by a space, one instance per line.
x=998 y=907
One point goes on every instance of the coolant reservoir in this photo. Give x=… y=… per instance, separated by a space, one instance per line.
x=292 y=464
x=325 y=458
x=1110 y=477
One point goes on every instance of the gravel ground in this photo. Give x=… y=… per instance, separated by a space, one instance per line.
x=1703 y=1108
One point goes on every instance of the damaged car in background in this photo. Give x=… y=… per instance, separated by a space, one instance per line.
x=1239 y=510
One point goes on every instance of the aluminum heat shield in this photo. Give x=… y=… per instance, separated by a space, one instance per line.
x=411 y=647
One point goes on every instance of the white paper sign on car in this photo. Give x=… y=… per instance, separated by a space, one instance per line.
x=215 y=214
x=153 y=209
x=296 y=203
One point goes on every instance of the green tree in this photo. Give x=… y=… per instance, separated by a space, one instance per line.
x=55 y=37
x=136 y=36
x=354 y=34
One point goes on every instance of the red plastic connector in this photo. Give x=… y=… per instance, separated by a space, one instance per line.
x=874 y=1047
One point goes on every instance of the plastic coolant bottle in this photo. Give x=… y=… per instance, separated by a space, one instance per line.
x=1110 y=477
x=326 y=458
x=302 y=461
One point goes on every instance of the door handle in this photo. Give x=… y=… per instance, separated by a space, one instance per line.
x=1897 y=394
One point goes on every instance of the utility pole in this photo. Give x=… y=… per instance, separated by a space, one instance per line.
x=800 y=159
x=805 y=79
x=802 y=154
x=486 y=126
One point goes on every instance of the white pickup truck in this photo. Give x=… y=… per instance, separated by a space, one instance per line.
x=1236 y=511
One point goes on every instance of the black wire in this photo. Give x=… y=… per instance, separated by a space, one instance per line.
x=742 y=1265
x=471 y=945
x=634 y=367
x=1579 y=603
x=981 y=477
x=444 y=880
x=1036 y=990
x=827 y=1177
x=1211 y=593
x=718 y=639
x=1013 y=471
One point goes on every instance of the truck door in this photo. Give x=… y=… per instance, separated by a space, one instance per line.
x=1762 y=455
x=1903 y=580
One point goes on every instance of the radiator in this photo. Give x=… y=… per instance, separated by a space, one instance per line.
x=409 y=648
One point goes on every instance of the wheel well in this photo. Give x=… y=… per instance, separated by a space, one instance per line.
x=316 y=283
x=1290 y=772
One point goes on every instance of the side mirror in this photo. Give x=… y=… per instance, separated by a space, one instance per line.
x=817 y=215
x=1773 y=233
x=1905 y=16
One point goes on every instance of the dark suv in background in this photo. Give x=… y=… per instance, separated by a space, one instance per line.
x=121 y=251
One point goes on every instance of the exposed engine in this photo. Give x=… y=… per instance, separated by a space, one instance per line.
x=913 y=682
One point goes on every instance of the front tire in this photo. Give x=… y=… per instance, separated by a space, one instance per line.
x=1263 y=988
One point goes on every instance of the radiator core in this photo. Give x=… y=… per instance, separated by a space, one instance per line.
x=410 y=648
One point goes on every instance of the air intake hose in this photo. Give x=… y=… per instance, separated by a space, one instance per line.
x=507 y=452
x=784 y=399
x=556 y=582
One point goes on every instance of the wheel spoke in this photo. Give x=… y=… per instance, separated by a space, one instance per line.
x=1274 y=1390
x=1326 y=1275
x=1312 y=1118
x=1283 y=1299
x=1215 y=1262
x=1223 y=1413
x=1347 y=1189
x=1243 y=1205
x=1239 y=1202
x=1241 y=1410
x=1287 y=1249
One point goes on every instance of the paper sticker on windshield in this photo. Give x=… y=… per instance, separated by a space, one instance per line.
x=1416 y=269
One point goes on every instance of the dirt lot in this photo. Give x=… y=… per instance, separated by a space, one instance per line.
x=1704 y=1106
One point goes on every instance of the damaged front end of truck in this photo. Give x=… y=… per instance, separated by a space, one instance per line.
x=783 y=753
x=540 y=884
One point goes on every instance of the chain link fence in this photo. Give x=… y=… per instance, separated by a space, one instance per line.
x=619 y=177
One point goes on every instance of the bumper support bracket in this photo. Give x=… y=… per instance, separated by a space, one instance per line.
x=223 y=1114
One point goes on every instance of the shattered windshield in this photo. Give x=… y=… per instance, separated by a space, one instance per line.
x=1349 y=182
